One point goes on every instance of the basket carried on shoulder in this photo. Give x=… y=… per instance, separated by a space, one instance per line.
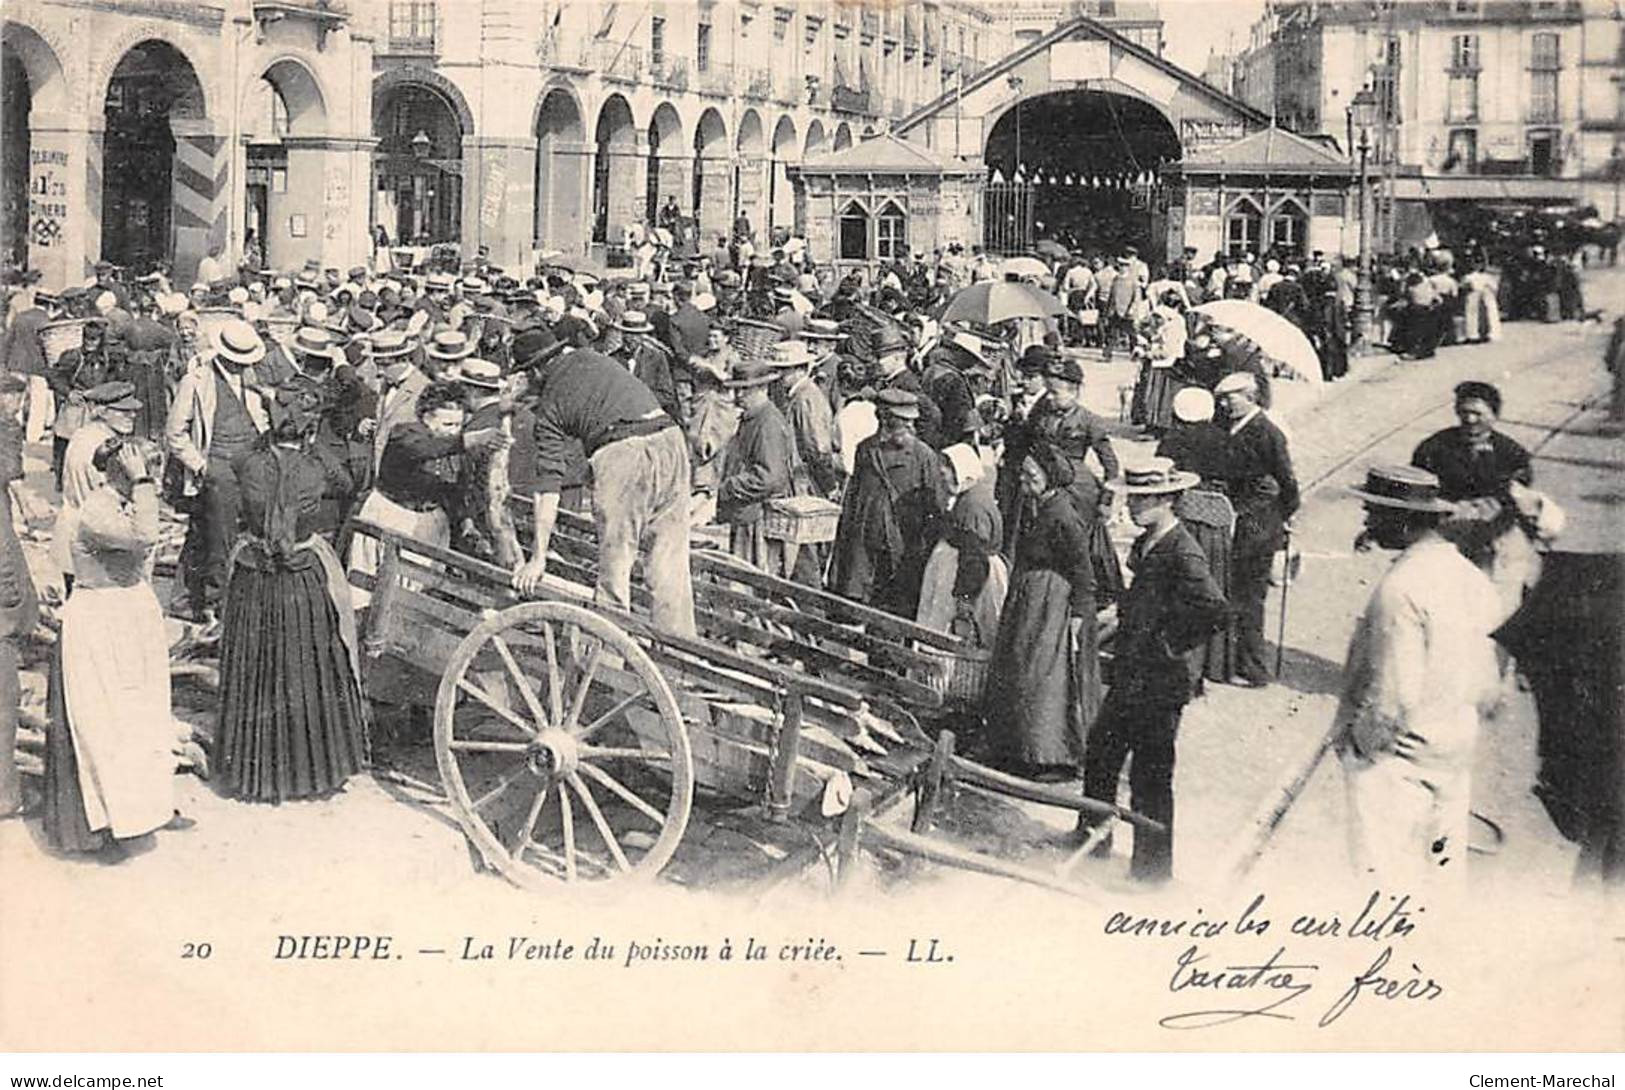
x=753 y=339
x=57 y=338
x=801 y=520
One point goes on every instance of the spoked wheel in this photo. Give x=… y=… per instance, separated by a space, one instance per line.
x=561 y=748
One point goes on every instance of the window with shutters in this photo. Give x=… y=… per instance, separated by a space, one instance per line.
x=1464 y=52
x=702 y=48
x=1543 y=52
x=657 y=40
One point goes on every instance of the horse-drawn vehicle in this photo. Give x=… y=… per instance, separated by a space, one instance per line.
x=573 y=739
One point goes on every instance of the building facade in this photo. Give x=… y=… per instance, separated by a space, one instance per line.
x=1025 y=21
x=1477 y=99
x=147 y=131
x=527 y=127
x=140 y=131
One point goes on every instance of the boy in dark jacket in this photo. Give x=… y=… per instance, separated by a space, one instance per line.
x=1172 y=605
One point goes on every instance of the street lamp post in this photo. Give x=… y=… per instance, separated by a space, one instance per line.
x=1015 y=83
x=1361 y=112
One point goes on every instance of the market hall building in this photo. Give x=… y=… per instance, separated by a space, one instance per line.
x=1087 y=136
x=144 y=131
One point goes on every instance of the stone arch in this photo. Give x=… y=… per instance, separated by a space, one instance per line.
x=42 y=63
x=300 y=89
x=750 y=140
x=164 y=171
x=561 y=149
x=284 y=106
x=843 y=137
x=667 y=170
x=713 y=173
x=101 y=77
x=388 y=81
x=32 y=86
x=750 y=180
x=786 y=149
x=816 y=140
x=421 y=121
x=1100 y=131
x=615 y=199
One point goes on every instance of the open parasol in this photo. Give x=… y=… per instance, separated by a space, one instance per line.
x=1284 y=343
x=1023 y=266
x=1050 y=248
x=992 y=302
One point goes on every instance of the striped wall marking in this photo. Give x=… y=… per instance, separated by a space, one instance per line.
x=93 y=202
x=200 y=173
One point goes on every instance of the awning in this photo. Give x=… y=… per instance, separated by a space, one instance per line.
x=1481 y=188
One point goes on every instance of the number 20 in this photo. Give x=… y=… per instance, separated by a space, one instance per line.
x=200 y=950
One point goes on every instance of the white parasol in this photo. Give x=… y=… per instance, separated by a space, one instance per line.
x=1294 y=358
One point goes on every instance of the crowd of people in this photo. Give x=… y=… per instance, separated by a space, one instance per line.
x=976 y=493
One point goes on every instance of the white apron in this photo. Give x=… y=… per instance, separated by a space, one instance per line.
x=432 y=527
x=115 y=683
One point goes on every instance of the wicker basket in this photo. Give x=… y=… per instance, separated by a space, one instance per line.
x=962 y=678
x=57 y=338
x=753 y=340
x=801 y=520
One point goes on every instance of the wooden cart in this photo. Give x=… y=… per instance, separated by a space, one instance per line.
x=572 y=737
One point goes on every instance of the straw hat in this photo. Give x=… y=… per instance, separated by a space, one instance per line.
x=634 y=321
x=753 y=373
x=1152 y=478
x=450 y=346
x=1404 y=487
x=236 y=342
x=482 y=374
x=791 y=354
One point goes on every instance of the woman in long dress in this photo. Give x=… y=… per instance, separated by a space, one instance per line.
x=1165 y=345
x=292 y=721
x=1197 y=445
x=966 y=580
x=1043 y=685
x=110 y=764
x=1481 y=314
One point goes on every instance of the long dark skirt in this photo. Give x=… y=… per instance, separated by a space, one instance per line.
x=1215 y=659
x=292 y=721
x=1040 y=698
x=67 y=829
x=1160 y=388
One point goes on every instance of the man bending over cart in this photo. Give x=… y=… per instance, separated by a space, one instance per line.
x=640 y=481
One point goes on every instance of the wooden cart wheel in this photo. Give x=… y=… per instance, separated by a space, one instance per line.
x=562 y=748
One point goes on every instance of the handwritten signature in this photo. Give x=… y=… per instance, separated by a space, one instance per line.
x=1265 y=990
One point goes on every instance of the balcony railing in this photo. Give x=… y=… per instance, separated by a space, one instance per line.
x=849 y=100
x=758 y=83
x=716 y=78
x=616 y=61
x=1541 y=113
x=411 y=45
x=670 y=71
x=570 y=53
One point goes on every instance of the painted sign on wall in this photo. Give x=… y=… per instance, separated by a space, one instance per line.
x=47 y=197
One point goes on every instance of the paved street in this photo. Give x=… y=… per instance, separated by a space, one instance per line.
x=1236 y=747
